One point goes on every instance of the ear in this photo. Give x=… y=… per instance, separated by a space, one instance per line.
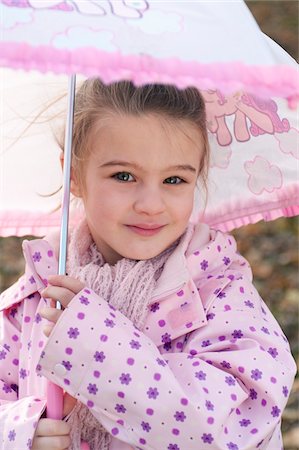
x=75 y=186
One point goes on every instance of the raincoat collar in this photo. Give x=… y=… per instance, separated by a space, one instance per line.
x=36 y=274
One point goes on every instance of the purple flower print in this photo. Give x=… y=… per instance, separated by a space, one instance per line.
x=125 y=378
x=37 y=318
x=200 y=375
x=179 y=416
x=73 y=333
x=210 y=316
x=146 y=426
x=152 y=393
x=273 y=352
x=31 y=279
x=249 y=304
x=67 y=365
x=23 y=373
x=7 y=347
x=29 y=444
x=13 y=312
x=99 y=356
x=237 y=334
x=166 y=337
x=207 y=438
x=204 y=264
x=161 y=362
x=275 y=411
x=109 y=323
x=206 y=343
x=225 y=365
x=230 y=381
x=245 y=422
x=155 y=307
x=6 y=388
x=253 y=394
x=92 y=388
x=226 y=260
x=256 y=374
x=135 y=344
x=209 y=405
x=167 y=346
x=265 y=330
x=36 y=257
x=11 y=435
x=232 y=446
x=2 y=354
x=84 y=300
x=221 y=294
x=120 y=408
x=285 y=391
x=173 y=447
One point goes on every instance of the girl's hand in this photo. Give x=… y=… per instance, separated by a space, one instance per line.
x=61 y=288
x=51 y=434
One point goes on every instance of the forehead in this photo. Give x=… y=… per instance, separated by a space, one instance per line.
x=146 y=138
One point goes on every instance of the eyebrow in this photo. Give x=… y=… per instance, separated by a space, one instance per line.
x=185 y=167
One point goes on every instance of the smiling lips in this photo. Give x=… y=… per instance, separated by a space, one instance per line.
x=146 y=229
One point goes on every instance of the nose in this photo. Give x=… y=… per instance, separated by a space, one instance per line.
x=149 y=201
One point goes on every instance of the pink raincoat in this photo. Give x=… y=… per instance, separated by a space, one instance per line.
x=212 y=369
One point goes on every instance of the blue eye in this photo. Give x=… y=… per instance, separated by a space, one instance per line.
x=173 y=180
x=123 y=176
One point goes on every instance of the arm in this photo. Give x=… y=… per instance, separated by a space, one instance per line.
x=18 y=414
x=217 y=394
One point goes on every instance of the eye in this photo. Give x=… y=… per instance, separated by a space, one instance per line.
x=123 y=176
x=173 y=180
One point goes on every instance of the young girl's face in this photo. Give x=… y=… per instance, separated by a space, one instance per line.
x=139 y=183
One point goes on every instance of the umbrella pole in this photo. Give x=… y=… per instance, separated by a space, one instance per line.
x=54 y=392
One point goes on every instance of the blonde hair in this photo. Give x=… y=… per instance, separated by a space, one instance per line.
x=96 y=101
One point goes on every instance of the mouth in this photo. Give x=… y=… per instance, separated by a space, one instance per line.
x=145 y=229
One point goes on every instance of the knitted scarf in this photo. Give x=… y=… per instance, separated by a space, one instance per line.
x=128 y=287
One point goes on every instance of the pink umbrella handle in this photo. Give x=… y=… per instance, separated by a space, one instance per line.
x=54 y=401
x=55 y=406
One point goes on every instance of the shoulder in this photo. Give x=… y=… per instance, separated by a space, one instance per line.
x=40 y=262
x=212 y=252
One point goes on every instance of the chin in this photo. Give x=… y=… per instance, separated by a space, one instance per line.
x=144 y=255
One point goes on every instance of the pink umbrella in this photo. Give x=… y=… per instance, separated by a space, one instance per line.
x=249 y=83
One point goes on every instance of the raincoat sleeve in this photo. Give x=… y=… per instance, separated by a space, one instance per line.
x=18 y=414
x=224 y=388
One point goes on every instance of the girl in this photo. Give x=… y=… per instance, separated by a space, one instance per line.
x=163 y=342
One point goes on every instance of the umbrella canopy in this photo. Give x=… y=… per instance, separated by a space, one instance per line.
x=249 y=84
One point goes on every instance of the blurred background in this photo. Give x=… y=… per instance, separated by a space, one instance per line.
x=271 y=248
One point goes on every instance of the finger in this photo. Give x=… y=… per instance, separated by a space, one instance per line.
x=51 y=443
x=51 y=314
x=52 y=427
x=63 y=295
x=67 y=282
x=68 y=403
x=47 y=329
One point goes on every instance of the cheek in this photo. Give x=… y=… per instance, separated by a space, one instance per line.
x=183 y=206
x=106 y=203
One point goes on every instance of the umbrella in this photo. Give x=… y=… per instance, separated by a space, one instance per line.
x=249 y=83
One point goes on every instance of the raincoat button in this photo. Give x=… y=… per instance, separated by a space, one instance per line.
x=59 y=369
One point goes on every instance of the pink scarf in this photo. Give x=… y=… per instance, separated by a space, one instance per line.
x=128 y=287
